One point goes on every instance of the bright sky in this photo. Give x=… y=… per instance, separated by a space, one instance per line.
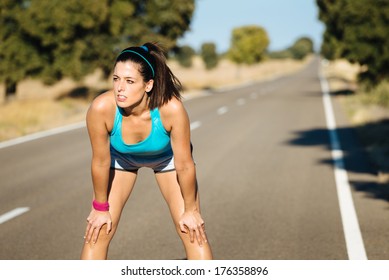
x=284 y=21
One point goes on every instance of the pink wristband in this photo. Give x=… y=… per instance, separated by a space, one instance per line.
x=100 y=206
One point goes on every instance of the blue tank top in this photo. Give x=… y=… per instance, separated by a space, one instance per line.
x=156 y=143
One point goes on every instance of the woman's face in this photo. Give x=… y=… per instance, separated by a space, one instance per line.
x=128 y=84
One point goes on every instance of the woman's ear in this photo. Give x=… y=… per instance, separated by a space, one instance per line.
x=149 y=85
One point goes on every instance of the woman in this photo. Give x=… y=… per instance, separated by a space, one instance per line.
x=141 y=122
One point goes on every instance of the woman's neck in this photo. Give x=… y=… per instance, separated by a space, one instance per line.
x=138 y=108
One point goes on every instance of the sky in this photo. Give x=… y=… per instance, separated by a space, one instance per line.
x=285 y=21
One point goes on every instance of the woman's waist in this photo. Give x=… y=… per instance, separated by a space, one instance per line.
x=143 y=151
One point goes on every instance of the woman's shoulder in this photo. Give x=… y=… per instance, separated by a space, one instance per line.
x=102 y=110
x=173 y=107
x=173 y=113
x=103 y=103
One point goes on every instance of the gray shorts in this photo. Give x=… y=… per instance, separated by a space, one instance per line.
x=127 y=162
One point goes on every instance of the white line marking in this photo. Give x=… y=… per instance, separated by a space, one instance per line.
x=222 y=110
x=13 y=213
x=66 y=128
x=352 y=232
x=41 y=134
x=240 y=101
x=195 y=125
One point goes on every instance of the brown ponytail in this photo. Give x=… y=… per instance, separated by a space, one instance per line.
x=166 y=84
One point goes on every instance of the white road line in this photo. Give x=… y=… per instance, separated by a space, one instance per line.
x=41 y=134
x=352 y=232
x=194 y=125
x=222 y=110
x=253 y=95
x=13 y=213
x=240 y=101
x=62 y=129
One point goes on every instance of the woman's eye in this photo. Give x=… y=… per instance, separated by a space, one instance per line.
x=130 y=82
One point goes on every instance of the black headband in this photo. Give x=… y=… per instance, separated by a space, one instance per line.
x=142 y=56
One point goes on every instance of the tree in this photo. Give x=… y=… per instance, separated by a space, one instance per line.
x=281 y=54
x=357 y=31
x=18 y=56
x=301 y=48
x=209 y=55
x=184 y=56
x=64 y=33
x=52 y=39
x=248 y=44
x=163 y=20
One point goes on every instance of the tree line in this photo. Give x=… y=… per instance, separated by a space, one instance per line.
x=53 y=39
x=357 y=30
x=249 y=45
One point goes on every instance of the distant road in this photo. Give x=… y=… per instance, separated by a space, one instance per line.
x=266 y=175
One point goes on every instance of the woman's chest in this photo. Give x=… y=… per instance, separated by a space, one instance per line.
x=135 y=130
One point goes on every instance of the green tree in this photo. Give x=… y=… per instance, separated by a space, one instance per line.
x=357 y=31
x=301 y=48
x=163 y=20
x=248 y=44
x=63 y=34
x=184 y=56
x=209 y=55
x=52 y=39
x=281 y=54
x=18 y=56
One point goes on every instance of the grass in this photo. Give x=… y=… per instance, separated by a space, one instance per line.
x=39 y=107
x=367 y=110
x=18 y=118
x=228 y=73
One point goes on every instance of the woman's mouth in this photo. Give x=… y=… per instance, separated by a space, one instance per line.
x=121 y=98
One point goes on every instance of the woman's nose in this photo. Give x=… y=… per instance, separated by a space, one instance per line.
x=120 y=86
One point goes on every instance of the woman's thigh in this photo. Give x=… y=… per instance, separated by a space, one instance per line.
x=170 y=189
x=121 y=186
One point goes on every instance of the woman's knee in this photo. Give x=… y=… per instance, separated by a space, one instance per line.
x=184 y=236
x=105 y=237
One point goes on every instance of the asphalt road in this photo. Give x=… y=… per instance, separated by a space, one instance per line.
x=266 y=179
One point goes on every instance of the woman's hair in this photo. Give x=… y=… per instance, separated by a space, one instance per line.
x=152 y=65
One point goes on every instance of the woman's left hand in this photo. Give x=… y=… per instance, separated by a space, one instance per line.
x=192 y=223
x=96 y=220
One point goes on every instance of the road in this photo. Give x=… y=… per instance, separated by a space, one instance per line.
x=266 y=177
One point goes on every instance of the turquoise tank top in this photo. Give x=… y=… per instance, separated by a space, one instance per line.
x=156 y=143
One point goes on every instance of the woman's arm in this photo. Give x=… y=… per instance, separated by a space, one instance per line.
x=183 y=161
x=101 y=160
x=179 y=125
x=98 y=131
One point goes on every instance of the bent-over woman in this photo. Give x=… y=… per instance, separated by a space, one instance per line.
x=142 y=122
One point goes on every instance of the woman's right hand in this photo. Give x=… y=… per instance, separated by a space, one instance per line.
x=192 y=223
x=96 y=220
